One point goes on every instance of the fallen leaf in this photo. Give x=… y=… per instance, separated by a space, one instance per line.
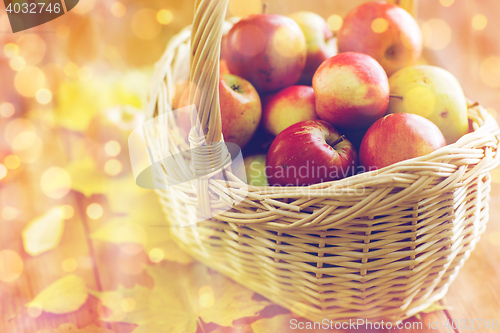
x=43 y=233
x=182 y=295
x=72 y=328
x=65 y=295
x=85 y=178
x=145 y=225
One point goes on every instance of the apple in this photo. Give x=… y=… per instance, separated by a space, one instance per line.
x=309 y=152
x=267 y=50
x=289 y=106
x=320 y=44
x=384 y=31
x=352 y=90
x=240 y=106
x=433 y=93
x=255 y=166
x=398 y=137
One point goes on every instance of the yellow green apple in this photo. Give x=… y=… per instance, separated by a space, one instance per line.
x=433 y=93
x=320 y=43
x=255 y=170
x=289 y=106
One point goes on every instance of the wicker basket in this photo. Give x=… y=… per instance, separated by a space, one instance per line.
x=330 y=250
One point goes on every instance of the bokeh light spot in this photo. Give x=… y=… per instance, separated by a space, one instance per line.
x=494 y=238
x=479 y=22
x=17 y=63
x=206 y=296
x=128 y=304
x=24 y=141
x=67 y=211
x=144 y=24
x=436 y=33
x=118 y=9
x=55 y=182
x=11 y=266
x=12 y=162
x=10 y=50
x=156 y=255
x=3 y=171
x=9 y=213
x=94 y=211
x=29 y=80
x=7 y=110
x=164 y=16
x=69 y=265
x=113 y=167
x=32 y=48
x=34 y=310
x=240 y=8
x=15 y=127
x=43 y=96
x=379 y=25
x=489 y=71
x=335 y=22
x=112 y=148
x=446 y=3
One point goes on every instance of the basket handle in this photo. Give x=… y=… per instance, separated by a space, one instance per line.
x=206 y=40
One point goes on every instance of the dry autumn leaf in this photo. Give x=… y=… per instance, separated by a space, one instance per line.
x=43 y=233
x=144 y=225
x=181 y=297
x=72 y=328
x=85 y=178
x=65 y=295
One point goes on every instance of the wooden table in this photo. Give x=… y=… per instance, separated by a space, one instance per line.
x=474 y=295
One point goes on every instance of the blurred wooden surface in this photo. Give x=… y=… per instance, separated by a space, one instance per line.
x=474 y=295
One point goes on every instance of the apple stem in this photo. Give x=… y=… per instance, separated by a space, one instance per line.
x=396 y=96
x=336 y=142
x=264 y=7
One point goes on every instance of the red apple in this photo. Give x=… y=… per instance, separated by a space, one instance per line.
x=384 y=31
x=267 y=50
x=309 y=152
x=352 y=90
x=289 y=106
x=320 y=43
x=398 y=137
x=240 y=110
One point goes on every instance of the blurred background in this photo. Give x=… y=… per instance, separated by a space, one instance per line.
x=73 y=88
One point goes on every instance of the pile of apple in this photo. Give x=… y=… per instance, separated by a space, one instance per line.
x=306 y=105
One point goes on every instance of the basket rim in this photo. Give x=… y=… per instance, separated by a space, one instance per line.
x=487 y=118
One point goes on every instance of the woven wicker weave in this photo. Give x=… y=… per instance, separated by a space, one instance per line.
x=380 y=245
